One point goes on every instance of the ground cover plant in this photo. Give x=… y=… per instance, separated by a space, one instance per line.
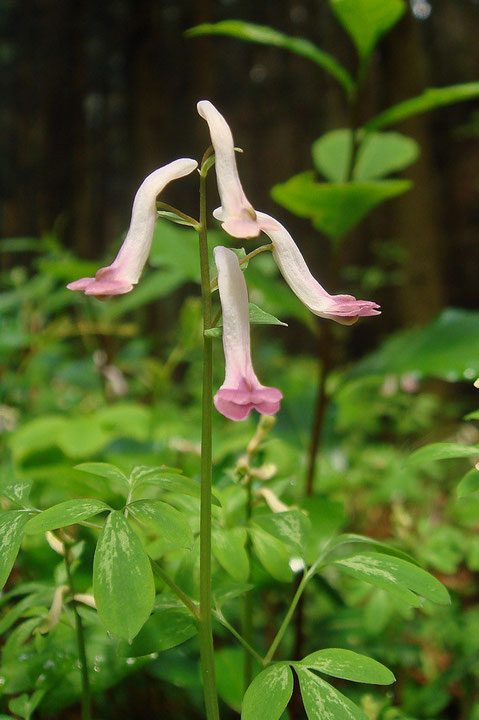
x=271 y=550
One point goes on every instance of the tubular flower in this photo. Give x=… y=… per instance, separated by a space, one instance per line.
x=237 y=215
x=241 y=390
x=124 y=272
x=344 y=309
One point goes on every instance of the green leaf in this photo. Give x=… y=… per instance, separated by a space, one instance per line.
x=12 y=523
x=170 y=481
x=351 y=538
x=105 y=470
x=264 y=35
x=442 y=451
x=272 y=553
x=334 y=208
x=323 y=701
x=400 y=578
x=348 y=665
x=378 y=155
x=123 y=583
x=447 y=348
x=166 y=520
x=291 y=527
x=166 y=628
x=381 y=154
x=257 y=316
x=229 y=670
x=268 y=694
x=65 y=513
x=366 y=21
x=430 y=99
x=229 y=550
x=469 y=484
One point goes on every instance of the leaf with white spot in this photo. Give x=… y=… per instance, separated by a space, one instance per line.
x=123 y=583
x=323 y=702
x=348 y=665
x=64 y=514
x=273 y=554
x=292 y=527
x=268 y=694
x=400 y=578
x=163 y=518
x=12 y=523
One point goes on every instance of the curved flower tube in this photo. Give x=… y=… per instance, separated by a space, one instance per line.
x=241 y=390
x=124 y=272
x=237 y=215
x=344 y=309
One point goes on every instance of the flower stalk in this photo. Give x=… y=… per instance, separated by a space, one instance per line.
x=205 y=629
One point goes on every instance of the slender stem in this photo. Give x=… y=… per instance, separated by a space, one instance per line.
x=247 y=600
x=169 y=208
x=221 y=618
x=287 y=619
x=205 y=630
x=80 y=634
x=187 y=601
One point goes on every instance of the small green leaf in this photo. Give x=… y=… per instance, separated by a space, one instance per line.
x=12 y=523
x=272 y=553
x=268 y=694
x=166 y=628
x=123 y=583
x=268 y=36
x=351 y=538
x=334 y=208
x=401 y=578
x=291 y=527
x=65 y=513
x=366 y=21
x=381 y=154
x=105 y=470
x=323 y=701
x=348 y=665
x=229 y=550
x=257 y=316
x=469 y=484
x=442 y=451
x=166 y=520
x=430 y=99
x=331 y=154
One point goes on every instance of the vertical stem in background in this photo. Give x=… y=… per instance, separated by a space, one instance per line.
x=247 y=601
x=205 y=629
x=86 y=695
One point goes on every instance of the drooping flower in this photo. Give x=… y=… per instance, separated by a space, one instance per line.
x=241 y=390
x=237 y=215
x=344 y=309
x=124 y=272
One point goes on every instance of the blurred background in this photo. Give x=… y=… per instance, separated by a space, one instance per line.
x=94 y=96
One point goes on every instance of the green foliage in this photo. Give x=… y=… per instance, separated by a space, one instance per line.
x=366 y=21
x=122 y=579
x=348 y=665
x=12 y=525
x=335 y=208
x=268 y=694
x=65 y=513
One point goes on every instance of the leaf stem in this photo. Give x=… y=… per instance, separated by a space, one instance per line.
x=221 y=618
x=187 y=601
x=169 y=208
x=80 y=635
x=205 y=629
x=246 y=259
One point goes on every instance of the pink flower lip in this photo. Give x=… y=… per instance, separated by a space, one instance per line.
x=236 y=403
x=103 y=285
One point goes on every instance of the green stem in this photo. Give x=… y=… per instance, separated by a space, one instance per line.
x=246 y=259
x=187 y=601
x=221 y=618
x=205 y=629
x=247 y=600
x=80 y=634
x=287 y=619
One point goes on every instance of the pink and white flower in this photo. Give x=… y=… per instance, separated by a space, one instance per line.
x=236 y=213
x=241 y=390
x=344 y=309
x=124 y=272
